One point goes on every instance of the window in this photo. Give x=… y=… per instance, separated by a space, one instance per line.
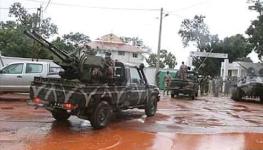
x=134 y=55
x=122 y=53
x=55 y=70
x=34 y=68
x=13 y=69
x=135 y=77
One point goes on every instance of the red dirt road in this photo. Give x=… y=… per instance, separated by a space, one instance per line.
x=205 y=124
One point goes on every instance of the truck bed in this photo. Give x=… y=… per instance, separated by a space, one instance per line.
x=186 y=87
x=54 y=90
x=181 y=84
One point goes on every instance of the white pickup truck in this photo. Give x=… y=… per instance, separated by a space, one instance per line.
x=17 y=76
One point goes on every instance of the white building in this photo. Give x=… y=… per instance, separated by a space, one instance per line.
x=119 y=50
x=238 y=69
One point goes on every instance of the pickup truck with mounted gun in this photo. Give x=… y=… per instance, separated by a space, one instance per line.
x=189 y=86
x=79 y=92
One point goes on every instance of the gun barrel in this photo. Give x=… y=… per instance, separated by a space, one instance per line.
x=59 y=53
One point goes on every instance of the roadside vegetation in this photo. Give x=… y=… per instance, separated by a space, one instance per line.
x=194 y=32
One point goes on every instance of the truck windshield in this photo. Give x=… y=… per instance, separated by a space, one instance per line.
x=135 y=76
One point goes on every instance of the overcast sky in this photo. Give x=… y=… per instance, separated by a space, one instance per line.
x=223 y=17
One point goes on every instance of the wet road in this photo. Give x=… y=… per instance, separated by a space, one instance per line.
x=205 y=124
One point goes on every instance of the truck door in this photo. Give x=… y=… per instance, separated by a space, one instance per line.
x=136 y=88
x=32 y=70
x=11 y=77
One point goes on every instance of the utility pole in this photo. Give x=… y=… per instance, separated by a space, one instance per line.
x=159 y=42
x=38 y=18
x=36 y=27
x=1 y=14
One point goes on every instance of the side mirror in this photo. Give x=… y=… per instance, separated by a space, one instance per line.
x=141 y=66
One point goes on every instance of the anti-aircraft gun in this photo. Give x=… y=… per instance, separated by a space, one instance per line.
x=74 y=67
x=122 y=86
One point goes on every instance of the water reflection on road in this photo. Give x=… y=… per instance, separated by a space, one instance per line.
x=204 y=124
x=69 y=135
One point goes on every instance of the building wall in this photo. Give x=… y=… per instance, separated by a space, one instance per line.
x=128 y=57
x=125 y=57
x=235 y=70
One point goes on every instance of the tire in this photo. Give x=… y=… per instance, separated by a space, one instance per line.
x=236 y=94
x=101 y=115
x=60 y=114
x=151 y=106
x=193 y=96
x=172 y=95
x=261 y=99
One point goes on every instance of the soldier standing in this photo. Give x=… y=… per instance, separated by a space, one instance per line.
x=202 y=86
x=183 y=71
x=96 y=74
x=109 y=67
x=227 y=86
x=167 y=82
x=216 y=86
x=210 y=85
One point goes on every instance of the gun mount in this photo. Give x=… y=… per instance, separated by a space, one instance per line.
x=74 y=67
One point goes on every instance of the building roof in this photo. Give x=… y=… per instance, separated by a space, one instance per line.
x=112 y=42
x=111 y=38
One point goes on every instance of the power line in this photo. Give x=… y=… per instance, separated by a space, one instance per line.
x=117 y=8
x=174 y=14
x=113 y=8
x=96 y=7
x=47 y=5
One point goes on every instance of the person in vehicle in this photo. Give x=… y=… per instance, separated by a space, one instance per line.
x=96 y=74
x=110 y=65
x=183 y=71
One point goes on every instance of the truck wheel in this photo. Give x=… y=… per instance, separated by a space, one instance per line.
x=151 y=106
x=193 y=96
x=60 y=114
x=101 y=115
x=236 y=94
x=261 y=99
